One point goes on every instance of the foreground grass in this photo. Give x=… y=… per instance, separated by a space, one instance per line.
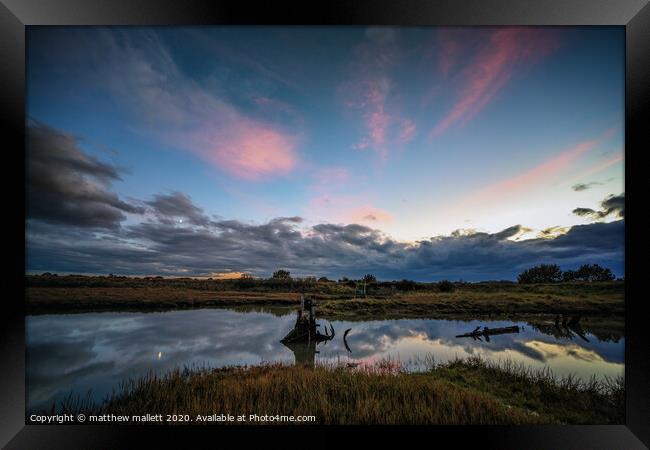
x=462 y=392
x=566 y=400
x=335 y=302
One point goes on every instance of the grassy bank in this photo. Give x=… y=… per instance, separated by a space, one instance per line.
x=461 y=392
x=334 y=300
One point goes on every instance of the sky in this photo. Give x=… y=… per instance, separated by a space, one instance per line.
x=417 y=153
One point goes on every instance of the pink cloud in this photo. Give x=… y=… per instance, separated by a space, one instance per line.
x=491 y=68
x=611 y=131
x=347 y=209
x=600 y=166
x=362 y=145
x=537 y=176
x=367 y=214
x=189 y=116
x=407 y=131
x=378 y=122
x=548 y=168
x=249 y=150
x=371 y=93
x=385 y=126
x=603 y=164
x=449 y=49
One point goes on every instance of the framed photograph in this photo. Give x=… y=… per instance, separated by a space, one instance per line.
x=274 y=218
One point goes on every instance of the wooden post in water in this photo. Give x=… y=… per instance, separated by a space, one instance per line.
x=305 y=329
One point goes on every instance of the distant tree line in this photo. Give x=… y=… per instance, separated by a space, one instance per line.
x=551 y=273
x=281 y=280
x=369 y=281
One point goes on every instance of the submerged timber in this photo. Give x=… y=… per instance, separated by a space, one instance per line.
x=478 y=332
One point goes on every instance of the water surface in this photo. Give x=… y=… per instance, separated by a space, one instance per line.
x=92 y=353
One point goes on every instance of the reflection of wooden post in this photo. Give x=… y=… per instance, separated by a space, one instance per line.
x=304 y=353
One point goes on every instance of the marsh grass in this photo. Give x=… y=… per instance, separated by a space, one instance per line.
x=470 y=391
x=567 y=399
x=332 y=299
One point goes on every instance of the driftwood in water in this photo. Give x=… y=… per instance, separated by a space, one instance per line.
x=345 y=341
x=478 y=332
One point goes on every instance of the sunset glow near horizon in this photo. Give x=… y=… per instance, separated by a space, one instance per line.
x=420 y=153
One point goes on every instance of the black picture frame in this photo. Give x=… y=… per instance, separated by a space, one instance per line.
x=15 y=15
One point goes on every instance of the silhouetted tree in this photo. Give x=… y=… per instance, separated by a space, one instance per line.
x=445 y=286
x=281 y=274
x=569 y=275
x=323 y=280
x=589 y=272
x=544 y=273
x=369 y=279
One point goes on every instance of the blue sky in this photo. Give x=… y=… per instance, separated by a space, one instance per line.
x=415 y=134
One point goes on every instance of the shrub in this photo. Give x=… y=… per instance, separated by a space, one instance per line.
x=282 y=274
x=368 y=278
x=544 y=273
x=594 y=272
x=589 y=272
x=445 y=286
x=406 y=285
x=570 y=275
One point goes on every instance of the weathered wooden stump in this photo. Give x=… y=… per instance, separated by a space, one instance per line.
x=306 y=328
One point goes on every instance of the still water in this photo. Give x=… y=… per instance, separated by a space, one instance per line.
x=92 y=353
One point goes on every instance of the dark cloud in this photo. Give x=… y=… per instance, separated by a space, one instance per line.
x=508 y=233
x=612 y=205
x=177 y=207
x=75 y=227
x=584 y=186
x=552 y=231
x=154 y=247
x=68 y=186
x=584 y=212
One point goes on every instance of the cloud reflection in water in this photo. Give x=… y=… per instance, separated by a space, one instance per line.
x=97 y=351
